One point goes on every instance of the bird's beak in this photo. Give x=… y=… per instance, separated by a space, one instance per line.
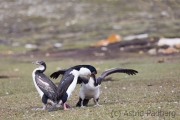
x=34 y=63
x=88 y=76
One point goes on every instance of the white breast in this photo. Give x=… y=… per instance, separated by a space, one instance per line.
x=90 y=85
x=73 y=84
x=89 y=90
x=37 y=88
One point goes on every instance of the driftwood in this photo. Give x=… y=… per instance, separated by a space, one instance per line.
x=3 y=76
x=134 y=45
x=110 y=51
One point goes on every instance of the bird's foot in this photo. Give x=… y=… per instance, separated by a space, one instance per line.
x=83 y=106
x=66 y=107
x=97 y=105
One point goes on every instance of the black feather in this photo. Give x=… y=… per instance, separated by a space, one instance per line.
x=65 y=82
x=56 y=74
x=47 y=86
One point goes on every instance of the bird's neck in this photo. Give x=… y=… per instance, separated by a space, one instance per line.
x=91 y=80
x=41 y=68
x=94 y=81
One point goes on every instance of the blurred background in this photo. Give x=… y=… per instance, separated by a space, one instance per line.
x=41 y=25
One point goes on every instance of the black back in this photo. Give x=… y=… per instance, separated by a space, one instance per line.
x=67 y=78
x=65 y=82
x=46 y=85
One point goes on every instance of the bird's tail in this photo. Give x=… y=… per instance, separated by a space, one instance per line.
x=52 y=107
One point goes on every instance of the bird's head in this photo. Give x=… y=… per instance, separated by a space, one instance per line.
x=86 y=70
x=92 y=69
x=41 y=64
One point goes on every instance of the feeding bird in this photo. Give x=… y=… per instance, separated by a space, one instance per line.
x=69 y=80
x=90 y=87
x=45 y=87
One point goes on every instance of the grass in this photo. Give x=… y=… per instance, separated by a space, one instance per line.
x=152 y=94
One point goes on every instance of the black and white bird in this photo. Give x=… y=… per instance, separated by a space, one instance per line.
x=90 y=88
x=45 y=87
x=69 y=80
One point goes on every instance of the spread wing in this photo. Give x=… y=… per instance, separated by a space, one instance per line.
x=47 y=86
x=64 y=84
x=115 y=70
x=56 y=74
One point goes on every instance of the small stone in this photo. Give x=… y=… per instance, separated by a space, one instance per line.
x=160 y=60
x=47 y=54
x=141 y=52
x=104 y=48
x=152 y=51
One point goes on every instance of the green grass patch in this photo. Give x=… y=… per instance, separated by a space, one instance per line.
x=148 y=95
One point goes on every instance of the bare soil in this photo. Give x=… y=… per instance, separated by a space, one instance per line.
x=134 y=48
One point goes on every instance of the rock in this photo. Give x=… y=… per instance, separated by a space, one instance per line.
x=169 y=50
x=8 y=52
x=47 y=54
x=160 y=60
x=122 y=49
x=177 y=46
x=57 y=45
x=152 y=51
x=168 y=41
x=16 y=69
x=161 y=50
x=132 y=37
x=141 y=52
x=30 y=46
x=104 y=48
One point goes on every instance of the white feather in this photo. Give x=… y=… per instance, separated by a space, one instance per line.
x=83 y=72
x=73 y=84
x=33 y=76
x=46 y=84
x=88 y=91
